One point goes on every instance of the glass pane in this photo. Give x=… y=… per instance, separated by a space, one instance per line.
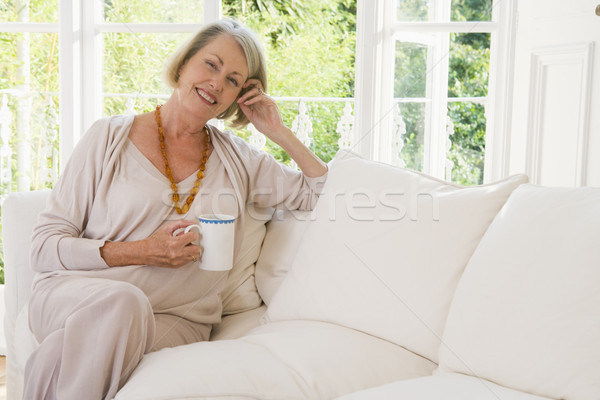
x=410 y=73
x=471 y=10
x=29 y=11
x=310 y=53
x=28 y=111
x=468 y=142
x=153 y=11
x=469 y=64
x=413 y=152
x=133 y=66
x=413 y=10
x=310 y=50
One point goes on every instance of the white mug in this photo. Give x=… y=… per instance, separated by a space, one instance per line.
x=217 y=235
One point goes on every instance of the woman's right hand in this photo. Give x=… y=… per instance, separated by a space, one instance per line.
x=162 y=249
x=171 y=250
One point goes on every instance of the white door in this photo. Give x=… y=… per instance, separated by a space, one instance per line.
x=555 y=131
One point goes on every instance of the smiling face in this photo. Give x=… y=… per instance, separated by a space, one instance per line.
x=211 y=80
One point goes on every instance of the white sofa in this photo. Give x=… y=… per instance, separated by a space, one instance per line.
x=397 y=286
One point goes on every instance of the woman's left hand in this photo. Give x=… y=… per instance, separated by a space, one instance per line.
x=261 y=110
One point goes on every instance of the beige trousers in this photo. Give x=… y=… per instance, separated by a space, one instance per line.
x=92 y=333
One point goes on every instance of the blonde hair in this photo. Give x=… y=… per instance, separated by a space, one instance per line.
x=247 y=41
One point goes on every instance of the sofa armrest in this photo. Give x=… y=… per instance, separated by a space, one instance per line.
x=19 y=215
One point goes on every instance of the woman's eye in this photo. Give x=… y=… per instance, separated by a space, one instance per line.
x=233 y=81
x=211 y=64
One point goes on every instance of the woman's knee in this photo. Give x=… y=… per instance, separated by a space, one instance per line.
x=126 y=299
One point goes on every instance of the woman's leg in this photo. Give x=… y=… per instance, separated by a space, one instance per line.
x=174 y=331
x=92 y=334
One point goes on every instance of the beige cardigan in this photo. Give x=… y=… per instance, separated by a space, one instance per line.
x=110 y=191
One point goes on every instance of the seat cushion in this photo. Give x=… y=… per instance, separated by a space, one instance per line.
x=286 y=360
x=237 y=325
x=526 y=313
x=386 y=250
x=442 y=386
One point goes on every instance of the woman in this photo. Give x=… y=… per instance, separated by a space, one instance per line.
x=114 y=278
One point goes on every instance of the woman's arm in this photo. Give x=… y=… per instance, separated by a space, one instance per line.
x=162 y=248
x=62 y=240
x=263 y=113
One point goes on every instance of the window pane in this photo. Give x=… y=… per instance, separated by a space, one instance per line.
x=469 y=64
x=413 y=10
x=310 y=52
x=468 y=142
x=35 y=11
x=413 y=152
x=425 y=10
x=157 y=11
x=28 y=111
x=133 y=68
x=410 y=74
x=471 y=10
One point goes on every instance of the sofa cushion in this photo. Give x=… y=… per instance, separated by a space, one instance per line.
x=240 y=293
x=284 y=232
x=386 y=251
x=237 y=325
x=526 y=313
x=287 y=360
x=441 y=386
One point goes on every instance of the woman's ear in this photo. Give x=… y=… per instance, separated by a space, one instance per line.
x=243 y=91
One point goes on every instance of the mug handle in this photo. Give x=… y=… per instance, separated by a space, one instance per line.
x=190 y=227
x=180 y=231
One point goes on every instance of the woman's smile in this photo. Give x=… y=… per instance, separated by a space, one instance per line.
x=203 y=94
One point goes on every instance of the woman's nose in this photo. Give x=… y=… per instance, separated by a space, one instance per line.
x=216 y=83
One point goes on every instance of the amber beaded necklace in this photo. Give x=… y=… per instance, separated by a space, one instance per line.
x=163 y=149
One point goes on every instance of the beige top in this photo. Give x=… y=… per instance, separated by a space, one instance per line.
x=122 y=196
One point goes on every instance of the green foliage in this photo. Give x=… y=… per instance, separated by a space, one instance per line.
x=39 y=10
x=468 y=142
x=412 y=10
x=133 y=64
x=410 y=78
x=413 y=152
x=162 y=11
x=468 y=77
x=1 y=255
x=471 y=10
x=310 y=51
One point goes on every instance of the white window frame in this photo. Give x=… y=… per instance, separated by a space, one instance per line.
x=376 y=34
x=81 y=87
x=81 y=62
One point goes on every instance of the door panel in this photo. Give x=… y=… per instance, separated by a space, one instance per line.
x=555 y=135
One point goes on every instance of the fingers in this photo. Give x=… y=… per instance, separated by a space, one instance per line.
x=194 y=253
x=254 y=94
x=176 y=228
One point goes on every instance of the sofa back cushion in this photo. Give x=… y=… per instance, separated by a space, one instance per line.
x=284 y=232
x=240 y=293
x=526 y=313
x=385 y=251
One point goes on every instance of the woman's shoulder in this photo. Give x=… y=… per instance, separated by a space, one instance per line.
x=109 y=128
x=230 y=140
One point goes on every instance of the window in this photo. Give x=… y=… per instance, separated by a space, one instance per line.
x=409 y=82
x=112 y=55
x=111 y=60
x=423 y=96
x=29 y=94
